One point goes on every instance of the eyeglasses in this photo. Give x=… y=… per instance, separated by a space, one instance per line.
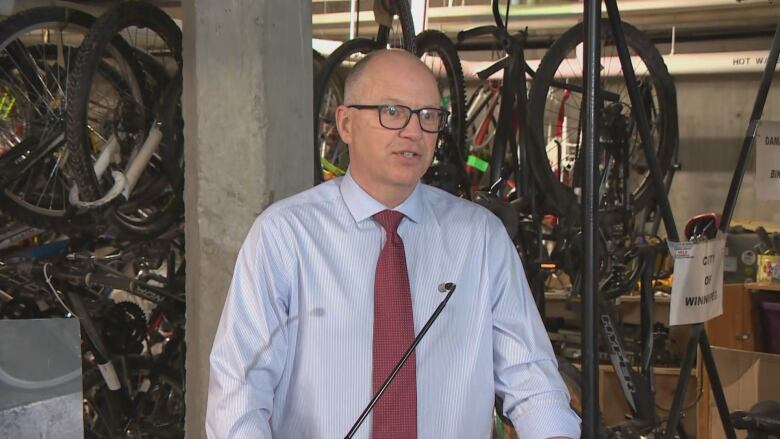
x=397 y=117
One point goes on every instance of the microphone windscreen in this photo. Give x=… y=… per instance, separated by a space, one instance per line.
x=445 y=286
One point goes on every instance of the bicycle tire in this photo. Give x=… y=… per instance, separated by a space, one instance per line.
x=448 y=170
x=542 y=110
x=329 y=75
x=324 y=118
x=403 y=10
x=151 y=219
x=438 y=43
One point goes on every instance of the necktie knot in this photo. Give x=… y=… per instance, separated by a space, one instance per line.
x=389 y=219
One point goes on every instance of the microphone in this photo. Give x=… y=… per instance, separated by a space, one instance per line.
x=447 y=287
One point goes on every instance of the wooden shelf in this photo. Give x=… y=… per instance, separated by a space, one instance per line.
x=763 y=286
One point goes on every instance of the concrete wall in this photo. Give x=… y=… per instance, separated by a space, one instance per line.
x=247 y=111
x=713 y=116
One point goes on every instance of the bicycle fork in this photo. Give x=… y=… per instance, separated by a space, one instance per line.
x=124 y=182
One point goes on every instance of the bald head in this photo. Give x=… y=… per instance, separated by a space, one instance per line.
x=404 y=62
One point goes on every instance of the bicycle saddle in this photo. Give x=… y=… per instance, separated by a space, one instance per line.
x=762 y=418
x=704 y=225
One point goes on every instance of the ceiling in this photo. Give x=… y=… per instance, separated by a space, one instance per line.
x=547 y=19
x=719 y=21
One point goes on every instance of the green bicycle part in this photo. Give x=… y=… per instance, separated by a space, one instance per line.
x=477 y=163
x=5 y=108
x=330 y=167
x=445 y=101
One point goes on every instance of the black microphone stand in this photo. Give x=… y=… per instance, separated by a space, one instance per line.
x=450 y=288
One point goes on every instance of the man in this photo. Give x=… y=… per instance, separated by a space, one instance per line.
x=331 y=285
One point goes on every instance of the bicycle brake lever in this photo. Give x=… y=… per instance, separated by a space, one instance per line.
x=488 y=72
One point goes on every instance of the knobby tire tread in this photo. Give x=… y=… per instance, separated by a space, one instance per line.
x=435 y=41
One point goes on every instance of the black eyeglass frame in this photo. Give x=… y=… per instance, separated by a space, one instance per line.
x=378 y=108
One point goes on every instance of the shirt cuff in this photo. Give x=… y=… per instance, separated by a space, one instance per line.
x=545 y=420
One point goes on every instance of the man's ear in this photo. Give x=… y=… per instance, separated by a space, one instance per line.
x=344 y=123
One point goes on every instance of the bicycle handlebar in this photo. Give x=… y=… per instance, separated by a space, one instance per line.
x=497 y=15
x=499 y=65
x=478 y=32
x=90 y=278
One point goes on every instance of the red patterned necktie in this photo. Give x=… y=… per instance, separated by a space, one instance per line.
x=395 y=414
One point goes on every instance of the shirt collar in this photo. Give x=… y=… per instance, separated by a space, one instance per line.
x=362 y=205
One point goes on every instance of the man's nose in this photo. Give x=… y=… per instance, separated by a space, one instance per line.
x=413 y=129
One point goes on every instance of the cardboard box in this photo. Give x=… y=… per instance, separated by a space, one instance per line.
x=747 y=378
x=614 y=407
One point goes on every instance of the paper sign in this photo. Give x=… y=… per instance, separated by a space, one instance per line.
x=767 y=140
x=697 y=288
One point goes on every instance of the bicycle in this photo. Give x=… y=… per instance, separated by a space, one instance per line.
x=132 y=367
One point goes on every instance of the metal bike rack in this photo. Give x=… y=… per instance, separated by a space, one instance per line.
x=590 y=342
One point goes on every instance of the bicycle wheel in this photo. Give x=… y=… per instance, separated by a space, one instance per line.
x=556 y=113
x=331 y=157
x=121 y=123
x=448 y=170
x=38 y=49
x=401 y=35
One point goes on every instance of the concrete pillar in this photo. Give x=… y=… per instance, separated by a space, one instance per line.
x=247 y=111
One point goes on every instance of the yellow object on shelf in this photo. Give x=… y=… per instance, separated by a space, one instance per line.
x=768 y=268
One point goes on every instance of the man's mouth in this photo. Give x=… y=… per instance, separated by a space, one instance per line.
x=407 y=154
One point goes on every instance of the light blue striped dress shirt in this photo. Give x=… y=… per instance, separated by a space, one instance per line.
x=292 y=355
